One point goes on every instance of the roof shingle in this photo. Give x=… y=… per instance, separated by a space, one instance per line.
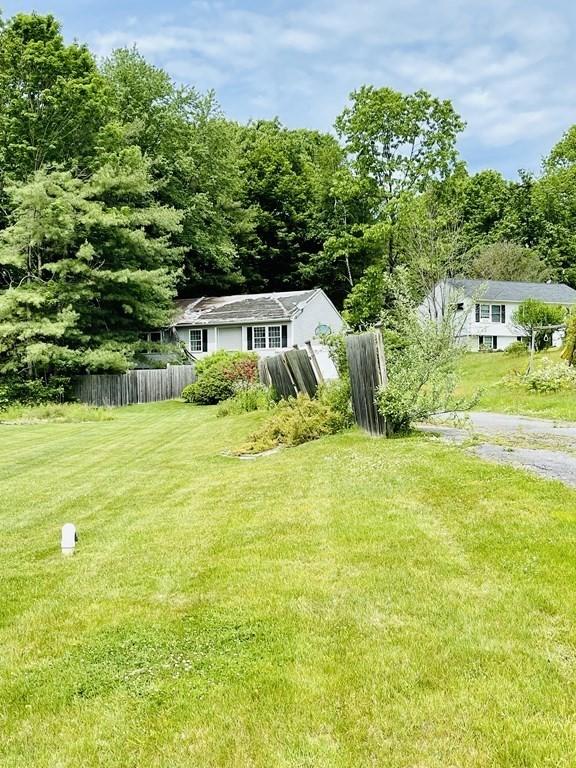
x=231 y=310
x=502 y=290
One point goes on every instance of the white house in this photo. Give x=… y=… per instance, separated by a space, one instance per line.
x=485 y=308
x=266 y=323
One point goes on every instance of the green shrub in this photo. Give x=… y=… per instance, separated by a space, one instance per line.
x=293 y=422
x=551 y=377
x=255 y=397
x=336 y=395
x=208 y=390
x=219 y=376
x=336 y=344
x=516 y=349
x=15 y=390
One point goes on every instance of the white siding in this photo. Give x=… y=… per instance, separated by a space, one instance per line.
x=470 y=331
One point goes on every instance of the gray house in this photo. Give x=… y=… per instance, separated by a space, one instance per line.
x=266 y=323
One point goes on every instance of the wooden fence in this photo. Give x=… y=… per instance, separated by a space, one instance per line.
x=367 y=366
x=290 y=372
x=139 y=386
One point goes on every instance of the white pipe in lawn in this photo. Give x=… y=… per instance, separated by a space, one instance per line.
x=69 y=539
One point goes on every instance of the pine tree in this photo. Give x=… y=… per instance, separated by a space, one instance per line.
x=87 y=264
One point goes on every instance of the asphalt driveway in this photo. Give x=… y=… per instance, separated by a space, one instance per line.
x=542 y=446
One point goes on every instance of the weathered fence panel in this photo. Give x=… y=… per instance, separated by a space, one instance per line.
x=146 y=385
x=280 y=377
x=300 y=367
x=367 y=366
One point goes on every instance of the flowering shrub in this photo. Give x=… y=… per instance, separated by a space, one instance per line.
x=219 y=376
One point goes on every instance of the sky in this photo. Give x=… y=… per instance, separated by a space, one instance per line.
x=507 y=65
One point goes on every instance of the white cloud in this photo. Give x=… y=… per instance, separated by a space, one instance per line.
x=506 y=64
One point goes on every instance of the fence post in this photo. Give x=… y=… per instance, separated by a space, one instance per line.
x=367 y=367
x=314 y=361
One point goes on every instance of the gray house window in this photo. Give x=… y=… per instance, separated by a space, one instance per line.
x=198 y=340
x=267 y=336
x=274 y=336
x=259 y=337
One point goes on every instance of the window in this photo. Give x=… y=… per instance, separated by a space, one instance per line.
x=274 y=336
x=267 y=336
x=488 y=342
x=259 y=337
x=496 y=313
x=151 y=336
x=195 y=340
x=198 y=339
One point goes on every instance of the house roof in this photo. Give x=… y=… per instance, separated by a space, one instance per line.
x=502 y=290
x=243 y=308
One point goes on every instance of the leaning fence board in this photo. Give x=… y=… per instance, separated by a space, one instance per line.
x=146 y=385
x=302 y=372
x=280 y=376
x=367 y=368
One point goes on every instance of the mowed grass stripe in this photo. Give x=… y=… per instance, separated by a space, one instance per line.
x=349 y=602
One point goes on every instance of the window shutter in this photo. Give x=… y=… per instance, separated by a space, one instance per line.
x=284 y=335
x=477 y=313
x=249 y=337
x=503 y=313
x=494 y=342
x=204 y=339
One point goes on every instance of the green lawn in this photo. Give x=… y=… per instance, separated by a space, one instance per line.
x=485 y=372
x=350 y=602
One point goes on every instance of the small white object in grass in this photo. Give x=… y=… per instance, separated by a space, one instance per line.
x=69 y=539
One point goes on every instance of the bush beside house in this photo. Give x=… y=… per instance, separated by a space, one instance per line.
x=220 y=376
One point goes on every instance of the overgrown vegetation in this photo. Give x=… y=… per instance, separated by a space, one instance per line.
x=516 y=349
x=422 y=375
x=63 y=413
x=539 y=319
x=254 y=397
x=549 y=377
x=24 y=391
x=569 y=351
x=296 y=421
x=220 y=375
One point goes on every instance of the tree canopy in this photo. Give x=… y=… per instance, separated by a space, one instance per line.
x=120 y=188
